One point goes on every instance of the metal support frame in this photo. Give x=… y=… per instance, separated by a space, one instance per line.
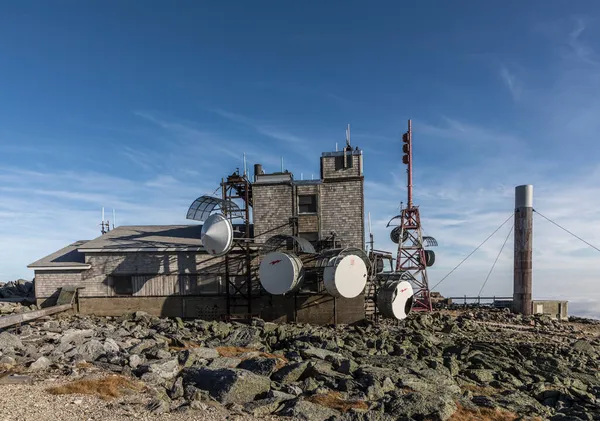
x=239 y=302
x=412 y=260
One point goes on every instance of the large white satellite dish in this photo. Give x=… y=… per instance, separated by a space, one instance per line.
x=281 y=273
x=346 y=277
x=217 y=235
x=395 y=299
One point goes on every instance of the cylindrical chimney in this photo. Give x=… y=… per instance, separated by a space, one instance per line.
x=523 y=286
x=257 y=170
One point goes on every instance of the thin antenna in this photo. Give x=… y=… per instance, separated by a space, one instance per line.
x=114 y=218
x=244 y=164
x=370 y=231
x=348 y=136
x=102 y=230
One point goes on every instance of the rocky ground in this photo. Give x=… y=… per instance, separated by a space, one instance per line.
x=486 y=365
x=15 y=289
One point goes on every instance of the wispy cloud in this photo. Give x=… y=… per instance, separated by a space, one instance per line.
x=511 y=83
x=302 y=147
x=578 y=48
x=262 y=128
x=471 y=135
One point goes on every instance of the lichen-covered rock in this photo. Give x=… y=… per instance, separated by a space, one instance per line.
x=227 y=385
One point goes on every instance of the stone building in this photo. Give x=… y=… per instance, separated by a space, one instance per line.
x=164 y=270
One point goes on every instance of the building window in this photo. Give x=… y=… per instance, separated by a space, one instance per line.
x=122 y=285
x=307 y=203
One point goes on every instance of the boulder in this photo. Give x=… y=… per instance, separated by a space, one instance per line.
x=227 y=385
x=260 y=365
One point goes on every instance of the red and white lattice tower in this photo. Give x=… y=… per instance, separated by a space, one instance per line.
x=412 y=258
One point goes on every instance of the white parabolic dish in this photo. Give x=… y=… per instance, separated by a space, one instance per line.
x=217 y=235
x=395 y=299
x=347 y=279
x=281 y=273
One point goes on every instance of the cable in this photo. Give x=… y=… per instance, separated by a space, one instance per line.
x=495 y=261
x=484 y=241
x=562 y=228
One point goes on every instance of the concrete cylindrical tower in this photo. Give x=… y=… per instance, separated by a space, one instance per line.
x=523 y=287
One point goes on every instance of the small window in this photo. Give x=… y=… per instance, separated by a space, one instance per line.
x=122 y=285
x=307 y=203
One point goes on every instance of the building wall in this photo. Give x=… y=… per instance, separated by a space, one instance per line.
x=272 y=210
x=48 y=284
x=343 y=211
x=315 y=309
x=330 y=170
x=554 y=309
x=153 y=274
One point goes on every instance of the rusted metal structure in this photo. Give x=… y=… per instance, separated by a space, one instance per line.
x=412 y=258
x=523 y=250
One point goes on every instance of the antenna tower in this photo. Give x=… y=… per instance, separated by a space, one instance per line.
x=412 y=258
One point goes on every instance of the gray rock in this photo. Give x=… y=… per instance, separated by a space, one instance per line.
x=584 y=347
x=259 y=365
x=205 y=353
x=481 y=375
x=322 y=354
x=262 y=407
x=76 y=336
x=9 y=342
x=225 y=362
x=177 y=390
x=158 y=406
x=110 y=345
x=419 y=406
x=135 y=361
x=166 y=369
x=227 y=385
x=347 y=366
x=188 y=357
x=90 y=350
x=308 y=411
x=290 y=373
x=40 y=364
x=282 y=396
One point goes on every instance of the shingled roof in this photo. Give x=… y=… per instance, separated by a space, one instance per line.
x=67 y=257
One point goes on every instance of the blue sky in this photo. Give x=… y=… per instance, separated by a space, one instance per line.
x=145 y=105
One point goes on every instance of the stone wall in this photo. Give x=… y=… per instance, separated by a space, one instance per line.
x=342 y=210
x=272 y=210
x=329 y=169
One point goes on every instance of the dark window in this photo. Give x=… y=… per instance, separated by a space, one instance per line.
x=122 y=285
x=339 y=161
x=201 y=284
x=307 y=203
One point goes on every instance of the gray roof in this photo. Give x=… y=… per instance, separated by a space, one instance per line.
x=68 y=256
x=141 y=237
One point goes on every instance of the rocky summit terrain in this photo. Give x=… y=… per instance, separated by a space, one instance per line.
x=484 y=365
x=16 y=289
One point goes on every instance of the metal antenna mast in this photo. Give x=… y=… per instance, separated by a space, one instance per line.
x=413 y=259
